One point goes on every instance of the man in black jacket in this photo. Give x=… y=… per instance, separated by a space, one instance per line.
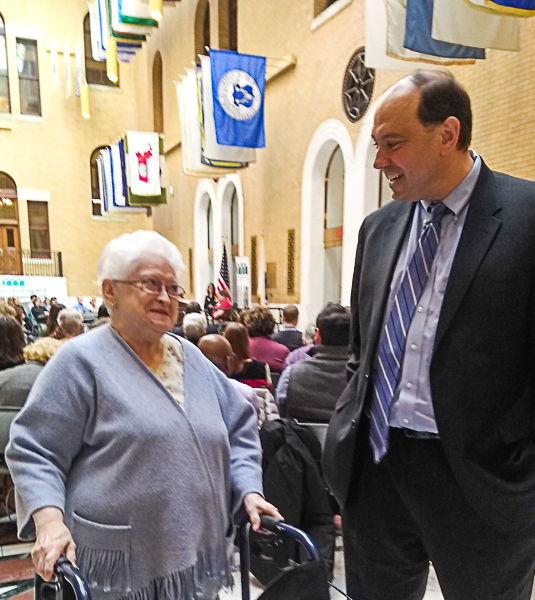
x=309 y=389
x=430 y=450
x=289 y=335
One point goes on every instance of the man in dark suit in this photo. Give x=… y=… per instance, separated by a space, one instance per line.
x=289 y=335
x=430 y=450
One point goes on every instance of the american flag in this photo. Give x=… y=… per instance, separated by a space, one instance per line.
x=223 y=282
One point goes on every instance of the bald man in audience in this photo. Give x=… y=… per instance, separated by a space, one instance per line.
x=218 y=350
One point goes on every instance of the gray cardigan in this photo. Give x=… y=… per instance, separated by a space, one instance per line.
x=147 y=489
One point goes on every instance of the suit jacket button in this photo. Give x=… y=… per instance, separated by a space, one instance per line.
x=353 y=424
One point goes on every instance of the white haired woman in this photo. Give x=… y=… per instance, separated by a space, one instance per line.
x=133 y=452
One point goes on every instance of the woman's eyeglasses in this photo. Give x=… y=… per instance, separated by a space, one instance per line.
x=155 y=286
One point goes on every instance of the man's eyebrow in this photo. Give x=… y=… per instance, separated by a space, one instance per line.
x=392 y=136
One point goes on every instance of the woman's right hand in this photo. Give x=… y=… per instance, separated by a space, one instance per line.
x=53 y=540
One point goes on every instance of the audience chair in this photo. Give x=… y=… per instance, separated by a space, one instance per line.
x=318 y=429
x=7 y=414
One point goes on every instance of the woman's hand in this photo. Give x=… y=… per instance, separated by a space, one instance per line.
x=53 y=540
x=255 y=506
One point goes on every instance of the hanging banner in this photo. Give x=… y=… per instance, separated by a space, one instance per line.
x=238 y=85
x=418 y=25
x=144 y=162
x=455 y=22
x=211 y=150
x=243 y=281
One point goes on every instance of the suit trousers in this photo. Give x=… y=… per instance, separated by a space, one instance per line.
x=409 y=510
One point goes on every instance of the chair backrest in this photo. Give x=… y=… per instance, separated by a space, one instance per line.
x=318 y=429
x=7 y=414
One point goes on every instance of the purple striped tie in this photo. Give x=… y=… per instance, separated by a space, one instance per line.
x=387 y=368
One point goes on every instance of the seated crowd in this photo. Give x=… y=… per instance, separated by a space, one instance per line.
x=249 y=351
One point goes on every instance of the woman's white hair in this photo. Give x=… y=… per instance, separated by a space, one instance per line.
x=123 y=255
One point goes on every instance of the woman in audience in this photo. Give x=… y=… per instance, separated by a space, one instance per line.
x=12 y=341
x=149 y=451
x=248 y=370
x=210 y=300
x=223 y=308
x=253 y=373
x=53 y=329
x=260 y=325
x=15 y=303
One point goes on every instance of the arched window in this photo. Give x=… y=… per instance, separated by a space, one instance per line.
x=95 y=188
x=5 y=104
x=333 y=235
x=95 y=70
x=157 y=92
x=202 y=28
x=10 y=256
x=228 y=24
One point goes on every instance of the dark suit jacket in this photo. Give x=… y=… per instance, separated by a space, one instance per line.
x=291 y=339
x=482 y=371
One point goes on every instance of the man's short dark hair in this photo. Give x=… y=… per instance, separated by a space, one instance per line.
x=193 y=307
x=333 y=323
x=290 y=313
x=442 y=96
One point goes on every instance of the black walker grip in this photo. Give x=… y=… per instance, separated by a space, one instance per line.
x=269 y=523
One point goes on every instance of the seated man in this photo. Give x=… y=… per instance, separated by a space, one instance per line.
x=218 y=350
x=80 y=306
x=308 y=390
x=289 y=335
x=39 y=313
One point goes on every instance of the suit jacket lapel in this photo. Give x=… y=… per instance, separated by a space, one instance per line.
x=480 y=229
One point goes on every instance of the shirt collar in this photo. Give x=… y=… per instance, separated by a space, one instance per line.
x=458 y=198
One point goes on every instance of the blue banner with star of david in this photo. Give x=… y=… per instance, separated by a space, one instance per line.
x=238 y=86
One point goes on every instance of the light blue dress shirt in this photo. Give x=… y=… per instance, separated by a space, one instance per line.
x=412 y=406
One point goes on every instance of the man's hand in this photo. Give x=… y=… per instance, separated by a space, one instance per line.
x=255 y=506
x=53 y=540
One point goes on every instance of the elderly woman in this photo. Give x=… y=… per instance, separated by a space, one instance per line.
x=133 y=451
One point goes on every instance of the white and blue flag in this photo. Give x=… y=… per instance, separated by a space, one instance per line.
x=238 y=85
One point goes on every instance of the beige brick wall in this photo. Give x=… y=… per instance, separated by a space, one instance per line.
x=52 y=153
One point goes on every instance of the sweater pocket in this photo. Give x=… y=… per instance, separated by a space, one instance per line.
x=103 y=554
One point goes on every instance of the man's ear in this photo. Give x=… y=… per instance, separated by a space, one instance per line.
x=450 y=132
x=317 y=337
x=108 y=292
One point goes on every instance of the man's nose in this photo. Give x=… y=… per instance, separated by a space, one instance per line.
x=381 y=160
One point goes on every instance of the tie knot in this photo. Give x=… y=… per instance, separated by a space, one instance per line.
x=438 y=210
